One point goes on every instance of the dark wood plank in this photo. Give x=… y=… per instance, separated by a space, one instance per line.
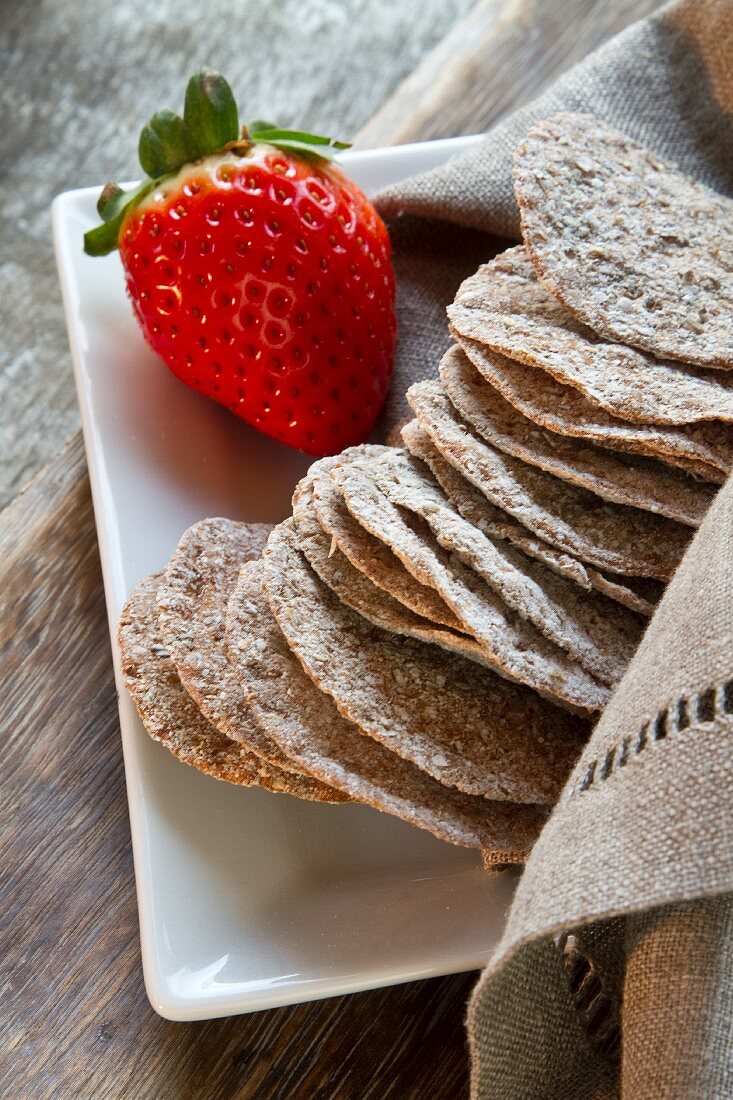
x=76 y=1021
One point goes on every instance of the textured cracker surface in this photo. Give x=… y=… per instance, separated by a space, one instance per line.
x=453 y=718
x=478 y=510
x=506 y=307
x=600 y=635
x=637 y=593
x=192 y=601
x=370 y=556
x=309 y=728
x=609 y=536
x=356 y=590
x=512 y=646
x=641 y=594
x=625 y=479
x=705 y=449
x=171 y=716
x=636 y=250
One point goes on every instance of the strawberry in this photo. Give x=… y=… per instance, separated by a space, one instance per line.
x=257 y=271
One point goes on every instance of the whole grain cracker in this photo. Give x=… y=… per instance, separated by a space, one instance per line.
x=192 y=601
x=609 y=536
x=370 y=556
x=488 y=517
x=171 y=716
x=306 y=723
x=625 y=479
x=512 y=646
x=602 y=636
x=452 y=718
x=704 y=449
x=356 y=590
x=639 y=252
x=639 y=594
x=506 y=307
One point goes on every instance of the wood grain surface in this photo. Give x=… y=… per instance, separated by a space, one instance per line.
x=76 y=1022
x=496 y=59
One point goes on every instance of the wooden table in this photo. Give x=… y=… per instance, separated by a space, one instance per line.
x=76 y=1022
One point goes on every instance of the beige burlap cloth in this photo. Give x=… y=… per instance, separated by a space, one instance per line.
x=615 y=973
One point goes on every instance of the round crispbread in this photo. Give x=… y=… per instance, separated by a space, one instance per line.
x=704 y=449
x=506 y=307
x=511 y=646
x=370 y=556
x=309 y=728
x=171 y=716
x=452 y=718
x=192 y=602
x=639 y=252
x=478 y=510
x=622 y=478
x=600 y=635
x=356 y=590
x=610 y=536
x=639 y=594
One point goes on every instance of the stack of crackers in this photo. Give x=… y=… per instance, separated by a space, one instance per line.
x=437 y=624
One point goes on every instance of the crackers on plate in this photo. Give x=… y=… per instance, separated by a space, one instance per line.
x=437 y=625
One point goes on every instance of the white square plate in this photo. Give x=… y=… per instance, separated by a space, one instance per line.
x=247 y=900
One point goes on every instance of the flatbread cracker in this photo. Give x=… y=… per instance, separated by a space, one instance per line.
x=512 y=647
x=624 y=479
x=639 y=594
x=609 y=536
x=170 y=715
x=488 y=517
x=704 y=449
x=452 y=718
x=356 y=590
x=600 y=635
x=306 y=723
x=192 y=602
x=370 y=556
x=639 y=252
x=506 y=307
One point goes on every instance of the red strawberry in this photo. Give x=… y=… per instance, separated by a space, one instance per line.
x=257 y=271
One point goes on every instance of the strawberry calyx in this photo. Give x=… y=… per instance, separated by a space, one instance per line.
x=299 y=142
x=210 y=124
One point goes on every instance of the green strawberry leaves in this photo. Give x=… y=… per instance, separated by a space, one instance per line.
x=112 y=206
x=210 y=123
x=165 y=144
x=297 y=141
x=210 y=112
x=111 y=201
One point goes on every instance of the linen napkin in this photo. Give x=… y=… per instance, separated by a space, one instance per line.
x=666 y=81
x=615 y=973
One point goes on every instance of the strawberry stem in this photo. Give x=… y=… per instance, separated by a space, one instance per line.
x=210 y=124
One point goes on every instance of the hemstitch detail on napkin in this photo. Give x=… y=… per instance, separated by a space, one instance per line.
x=689 y=710
x=597 y=1009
